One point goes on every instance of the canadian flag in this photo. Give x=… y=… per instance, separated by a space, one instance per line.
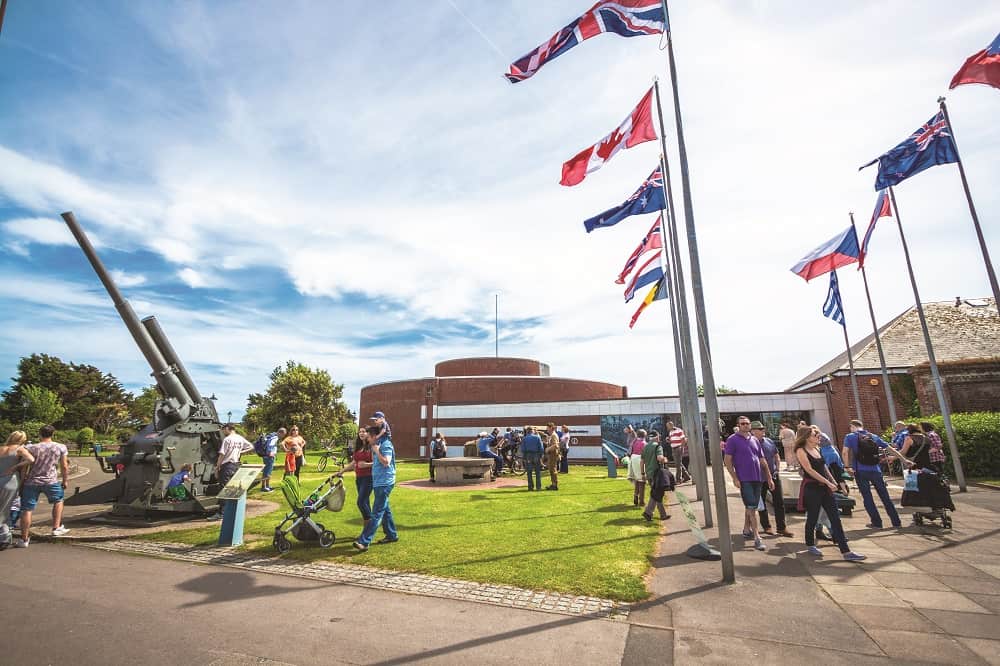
x=637 y=128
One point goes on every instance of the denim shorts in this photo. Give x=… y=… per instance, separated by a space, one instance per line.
x=750 y=492
x=29 y=495
x=268 y=466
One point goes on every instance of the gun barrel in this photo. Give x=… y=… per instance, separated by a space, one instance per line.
x=167 y=349
x=162 y=370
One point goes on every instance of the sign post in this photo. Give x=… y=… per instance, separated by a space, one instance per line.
x=701 y=550
x=233 y=501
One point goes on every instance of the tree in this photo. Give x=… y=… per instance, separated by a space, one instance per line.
x=82 y=389
x=721 y=389
x=299 y=395
x=41 y=404
x=140 y=408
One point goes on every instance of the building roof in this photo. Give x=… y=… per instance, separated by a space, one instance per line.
x=960 y=329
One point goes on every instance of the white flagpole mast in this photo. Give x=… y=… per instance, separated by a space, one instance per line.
x=878 y=339
x=972 y=209
x=850 y=358
x=945 y=412
x=707 y=372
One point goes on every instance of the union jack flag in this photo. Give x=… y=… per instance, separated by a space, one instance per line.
x=883 y=208
x=628 y=18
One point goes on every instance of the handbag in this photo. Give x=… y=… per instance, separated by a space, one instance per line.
x=910 y=478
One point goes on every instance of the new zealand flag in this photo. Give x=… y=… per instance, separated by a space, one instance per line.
x=929 y=146
x=647 y=199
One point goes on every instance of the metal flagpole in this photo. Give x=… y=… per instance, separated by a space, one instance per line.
x=496 y=324
x=3 y=10
x=690 y=410
x=708 y=375
x=878 y=339
x=850 y=364
x=972 y=209
x=945 y=412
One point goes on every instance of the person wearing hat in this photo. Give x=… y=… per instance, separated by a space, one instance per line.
x=484 y=443
x=750 y=473
x=383 y=424
x=770 y=450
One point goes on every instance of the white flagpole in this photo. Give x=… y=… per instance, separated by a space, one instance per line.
x=707 y=372
x=945 y=411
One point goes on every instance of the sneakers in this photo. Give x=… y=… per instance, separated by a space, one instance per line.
x=747 y=534
x=647 y=516
x=873 y=526
x=759 y=545
x=854 y=557
x=813 y=550
x=359 y=546
x=59 y=531
x=21 y=543
x=267 y=490
x=387 y=540
x=785 y=533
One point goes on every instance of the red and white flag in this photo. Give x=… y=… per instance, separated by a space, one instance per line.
x=637 y=128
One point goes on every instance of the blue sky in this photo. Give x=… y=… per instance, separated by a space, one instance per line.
x=349 y=185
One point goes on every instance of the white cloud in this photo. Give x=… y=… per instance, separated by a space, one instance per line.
x=125 y=280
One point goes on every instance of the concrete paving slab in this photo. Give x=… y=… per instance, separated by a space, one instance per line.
x=647 y=645
x=981 y=585
x=693 y=647
x=951 y=601
x=879 y=617
x=910 y=581
x=954 y=568
x=917 y=646
x=973 y=625
x=895 y=566
x=989 y=651
x=865 y=596
x=850 y=577
x=988 y=601
x=991 y=569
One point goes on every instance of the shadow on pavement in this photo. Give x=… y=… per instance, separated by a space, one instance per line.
x=222 y=586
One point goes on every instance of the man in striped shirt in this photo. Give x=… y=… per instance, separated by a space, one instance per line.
x=678 y=445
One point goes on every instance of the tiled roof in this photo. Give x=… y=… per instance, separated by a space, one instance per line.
x=970 y=329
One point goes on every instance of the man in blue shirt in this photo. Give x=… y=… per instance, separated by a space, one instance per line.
x=777 y=498
x=864 y=460
x=531 y=449
x=383 y=481
x=485 y=441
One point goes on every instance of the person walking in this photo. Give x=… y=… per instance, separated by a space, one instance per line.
x=653 y=468
x=863 y=448
x=13 y=458
x=293 y=445
x=770 y=450
x=532 y=450
x=361 y=464
x=787 y=437
x=679 y=447
x=816 y=493
x=51 y=464
x=383 y=481
x=746 y=464
x=270 y=454
x=438 y=449
x=635 y=474
x=552 y=456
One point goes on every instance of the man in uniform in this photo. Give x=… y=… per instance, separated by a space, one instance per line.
x=552 y=455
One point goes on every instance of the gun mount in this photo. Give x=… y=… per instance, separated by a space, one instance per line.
x=184 y=427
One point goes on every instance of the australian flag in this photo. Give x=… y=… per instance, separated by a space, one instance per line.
x=929 y=146
x=647 y=199
x=628 y=18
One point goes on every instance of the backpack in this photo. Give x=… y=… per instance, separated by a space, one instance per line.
x=438 y=449
x=261 y=445
x=867 y=449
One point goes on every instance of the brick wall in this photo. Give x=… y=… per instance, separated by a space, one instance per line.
x=490 y=366
x=969 y=386
x=874 y=411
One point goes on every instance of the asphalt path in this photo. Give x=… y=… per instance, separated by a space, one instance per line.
x=72 y=605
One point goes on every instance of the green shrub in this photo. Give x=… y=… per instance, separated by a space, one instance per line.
x=84 y=437
x=978 y=435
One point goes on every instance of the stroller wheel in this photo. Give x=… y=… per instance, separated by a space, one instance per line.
x=282 y=544
x=327 y=538
x=946 y=522
x=918 y=519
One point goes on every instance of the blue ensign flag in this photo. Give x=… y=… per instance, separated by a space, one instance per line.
x=647 y=199
x=834 y=307
x=929 y=146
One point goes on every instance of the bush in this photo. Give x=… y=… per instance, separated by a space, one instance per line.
x=978 y=435
x=84 y=437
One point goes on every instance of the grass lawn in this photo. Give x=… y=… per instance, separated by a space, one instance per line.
x=988 y=481
x=587 y=538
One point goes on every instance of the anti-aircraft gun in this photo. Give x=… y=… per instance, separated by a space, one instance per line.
x=185 y=427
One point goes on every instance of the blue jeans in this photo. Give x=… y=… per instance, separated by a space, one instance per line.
x=865 y=481
x=381 y=515
x=497 y=461
x=364 y=486
x=533 y=466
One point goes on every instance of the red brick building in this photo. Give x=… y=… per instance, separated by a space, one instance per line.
x=966 y=339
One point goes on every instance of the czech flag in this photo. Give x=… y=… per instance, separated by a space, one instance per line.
x=982 y=67
x=839 y=251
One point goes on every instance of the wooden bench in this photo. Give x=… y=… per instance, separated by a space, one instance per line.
x=457 y=471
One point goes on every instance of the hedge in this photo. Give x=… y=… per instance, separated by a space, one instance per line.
x=978 y=436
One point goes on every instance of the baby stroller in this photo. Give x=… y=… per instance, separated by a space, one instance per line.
x=329 y=496
x=932 y=491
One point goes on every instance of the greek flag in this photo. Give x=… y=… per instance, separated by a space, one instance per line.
x=834 y=308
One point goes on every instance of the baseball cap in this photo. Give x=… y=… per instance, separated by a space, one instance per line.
x=756 y=425
x=378 y=415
